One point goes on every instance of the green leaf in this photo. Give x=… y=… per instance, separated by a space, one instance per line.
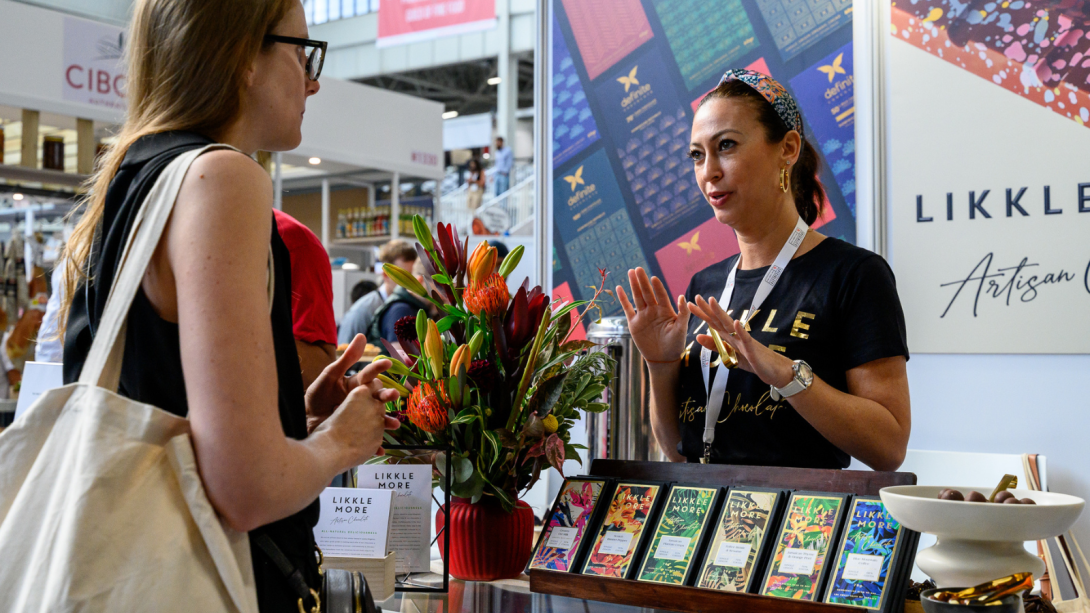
x=593 y=392
x=445 y=323
x=471 y=487
x=441 y=463
x=571 y=453
x=445 y=280
x=463 y=470
x=495 y=443
x=568 y=308
x=466 y=416
x=546 y=395
x=596 y=407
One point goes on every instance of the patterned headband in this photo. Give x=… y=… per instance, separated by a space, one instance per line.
x=772 y=91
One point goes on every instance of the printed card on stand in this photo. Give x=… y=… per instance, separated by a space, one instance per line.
x=410 y=527
x=354 y=523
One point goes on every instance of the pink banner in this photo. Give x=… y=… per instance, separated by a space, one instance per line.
x=409 y=21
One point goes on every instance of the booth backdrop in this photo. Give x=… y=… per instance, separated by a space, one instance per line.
x=626 y=79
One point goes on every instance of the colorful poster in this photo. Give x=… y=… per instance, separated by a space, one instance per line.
x=802 y=547
x=867 y=552
x=678 y=534
x=694 y=251
x=1038 y=51
x=624 y=524
x=411 y=21
x=572 y=511
x=594 y=226
x=573 y=123
x=606 y=31
x=739 y=537
x=797 y=25
x=826 y=94
x=650 y=131
x=706 y=38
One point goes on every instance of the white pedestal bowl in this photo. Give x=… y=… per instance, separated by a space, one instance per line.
x=979 y=541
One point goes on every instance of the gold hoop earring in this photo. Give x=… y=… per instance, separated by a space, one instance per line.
x=784 y=179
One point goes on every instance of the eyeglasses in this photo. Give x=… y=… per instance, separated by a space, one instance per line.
x=315 y=58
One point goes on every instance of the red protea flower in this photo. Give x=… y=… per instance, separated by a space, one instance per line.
x=488 y=296
x=428 y=406
x=405 y=329
x=484 y=374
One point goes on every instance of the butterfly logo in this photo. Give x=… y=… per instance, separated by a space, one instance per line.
x=690 y=246
x=630 y=80
x=835 y=68
x=575 y=179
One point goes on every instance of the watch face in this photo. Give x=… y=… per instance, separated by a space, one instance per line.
x=805 y=373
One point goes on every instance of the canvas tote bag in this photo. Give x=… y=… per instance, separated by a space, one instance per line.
x=1068 y=548
x=101 y=505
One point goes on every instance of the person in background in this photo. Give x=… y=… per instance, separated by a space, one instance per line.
x=359 y=317
x=475 y=191
x=505 y=159
x=50 y=348
x=361 y=289
x=401 y=303
x=313 y=324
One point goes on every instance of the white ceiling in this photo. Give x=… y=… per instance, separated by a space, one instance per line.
x=113 y=11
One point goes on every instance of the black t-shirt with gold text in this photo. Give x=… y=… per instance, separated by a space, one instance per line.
x=835 y=307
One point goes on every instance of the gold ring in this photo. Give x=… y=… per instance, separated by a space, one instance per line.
x=734 y=334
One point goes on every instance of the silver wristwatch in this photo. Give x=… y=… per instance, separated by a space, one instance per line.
x=804 y=376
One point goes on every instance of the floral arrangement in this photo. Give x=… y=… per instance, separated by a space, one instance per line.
x=497 y=378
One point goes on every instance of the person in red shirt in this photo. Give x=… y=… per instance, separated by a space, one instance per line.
x=314 y=326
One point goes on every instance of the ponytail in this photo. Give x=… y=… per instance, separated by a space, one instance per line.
x=805 y=186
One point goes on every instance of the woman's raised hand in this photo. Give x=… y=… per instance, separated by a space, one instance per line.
x=657 y=329
x=773 y=368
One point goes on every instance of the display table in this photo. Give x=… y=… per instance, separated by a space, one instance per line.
x=511 y=596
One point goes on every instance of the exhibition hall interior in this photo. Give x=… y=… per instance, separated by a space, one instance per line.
x=483 y=306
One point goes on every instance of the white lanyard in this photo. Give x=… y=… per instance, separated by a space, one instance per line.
x=717 y=390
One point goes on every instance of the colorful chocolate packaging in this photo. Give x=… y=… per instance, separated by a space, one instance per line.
x=567 y=524
x=804 y=545
x=741 y=543
x=623 y=531
x=678 y=534
x=870 y=560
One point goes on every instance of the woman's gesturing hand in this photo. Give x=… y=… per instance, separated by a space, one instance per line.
x=657 y=329
x=332 y=388
x=773 y=368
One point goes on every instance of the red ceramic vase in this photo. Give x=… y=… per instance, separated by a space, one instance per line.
x=486 y=542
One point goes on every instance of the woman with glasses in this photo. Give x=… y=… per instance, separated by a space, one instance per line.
x=203 y=340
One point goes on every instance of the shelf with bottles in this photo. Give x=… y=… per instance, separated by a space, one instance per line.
x=375 y=222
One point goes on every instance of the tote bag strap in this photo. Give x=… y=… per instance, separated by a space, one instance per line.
x=103 y=365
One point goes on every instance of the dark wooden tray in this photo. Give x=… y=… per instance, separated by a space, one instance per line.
x=696 y=600
x=864 y=482
x=667 y=597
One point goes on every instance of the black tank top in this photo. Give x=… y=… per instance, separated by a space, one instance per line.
x=151 y=370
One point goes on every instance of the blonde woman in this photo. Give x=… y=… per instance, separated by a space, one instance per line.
x=202 y=341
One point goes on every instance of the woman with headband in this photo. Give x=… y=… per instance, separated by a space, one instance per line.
x=796 y=355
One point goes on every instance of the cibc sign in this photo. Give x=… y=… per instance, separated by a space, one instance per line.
x=93 y=65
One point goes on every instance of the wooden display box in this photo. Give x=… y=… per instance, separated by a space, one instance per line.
x=379 y=572
x=696 y=600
